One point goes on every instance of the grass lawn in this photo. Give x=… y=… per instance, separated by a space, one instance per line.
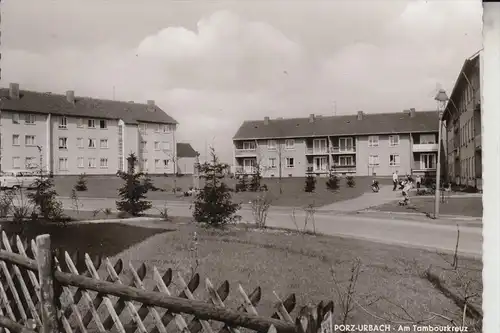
x=454 y=206
x=293 y=194
x=287 y=262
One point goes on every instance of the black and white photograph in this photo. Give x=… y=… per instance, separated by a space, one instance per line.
x=236 y=166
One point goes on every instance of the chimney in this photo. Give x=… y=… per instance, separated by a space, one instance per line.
x=412 y=112
x=311 y=118
x=14 y=91
x=70 y=96
x=266 y=120
x=360 y=115
x=151 y=105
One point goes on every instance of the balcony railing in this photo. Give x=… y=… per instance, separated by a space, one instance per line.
x=245 y=151
x=244 y=170
x=425 y=147
x=340 y=150
x=313 y=151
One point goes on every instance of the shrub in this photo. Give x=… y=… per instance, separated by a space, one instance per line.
x=350 y=181
x=44 y=200
x=310 y=184
x=213 y=204
x=260 y=208
x=242 y=184
x=81 y=183
x=254 y=185
x=332 y=183
x=133 y=192
x=6 y=198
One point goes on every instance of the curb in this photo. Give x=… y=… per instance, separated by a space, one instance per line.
x=132 y=219
x=445 y=217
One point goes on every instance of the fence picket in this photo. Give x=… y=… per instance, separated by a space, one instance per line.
x=2 y=315
x=153 y=311
x=281 y=310
x=122 y=303
x=24 y=289
x=217 y=301
x=32 y=276
x=254 y=298
x=246 y=301
x=162 y=287
x=105 y=299
x=13 y=290
x=6 y=302
x=85 y=294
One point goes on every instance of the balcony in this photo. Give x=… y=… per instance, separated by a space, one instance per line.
x=425 y=147
x=312 y=151
x=244 y=170
x=241 y=152
x=343 y=169
x=477 y=141
x=343 y=150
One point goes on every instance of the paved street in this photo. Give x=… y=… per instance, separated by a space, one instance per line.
x=391 y=231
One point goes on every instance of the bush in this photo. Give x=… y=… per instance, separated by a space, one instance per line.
x=254 y=185
x=133 y=192
x=310 y=184
x=81 y=184
x=332 y=183
x=6 y=198
x=350 y=181
x=242 y=184
x=213 y=204
x=44 y=200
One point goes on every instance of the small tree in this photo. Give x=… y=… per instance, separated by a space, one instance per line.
x=350 y=181
x=213 y=204
x=254 y=185
x=133 y=192
x=332 y=183
x=310 y=183
x=81 y=184
x=242 y=184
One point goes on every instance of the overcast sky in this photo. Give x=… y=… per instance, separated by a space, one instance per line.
x=213 y=64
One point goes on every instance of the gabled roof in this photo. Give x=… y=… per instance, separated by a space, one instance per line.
x=185 y=150
x=370 y=124
x=48 y=103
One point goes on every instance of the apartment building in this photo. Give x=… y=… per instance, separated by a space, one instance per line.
x=69 y=135
x=360 y=144
x=462 y=134
x=187 y=158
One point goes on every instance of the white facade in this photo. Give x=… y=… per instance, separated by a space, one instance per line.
x=77 y=145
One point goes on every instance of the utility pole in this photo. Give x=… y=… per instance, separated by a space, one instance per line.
x=441 y=99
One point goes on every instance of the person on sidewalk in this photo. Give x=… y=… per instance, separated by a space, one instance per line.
x=406 y=191
x=395 y=180
x=418 y=181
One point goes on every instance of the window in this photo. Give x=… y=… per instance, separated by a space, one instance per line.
x=92 y=143
x=166 y=145
x=427 y=138
x=166 y=128
x=373 y=160
x=157 y=145
x=91 y=123
x=249 y=145
x=30 y=119
x=428 y=161
x=272 y=163
x=79 y=142
x=165 y=163
x=394 y=160
x=345 y=160
x=63 y=163
x=103 y=143
x=15 y=118
x=63 y=122
x=143 y=128
x=157 y=164
x=143 y=145
x=103 y=124
x=15 y=140
x=29 y=163
x=29 y=140
x=393 y=140
x=16 y=162
x=103 y=163
x=158 y=128
x=92 y=162
x=345 y=144
x=63 y=143
x=290 y=144
x=79 y=162
x=373 y=141
x=272 y=145
x=79 y=123
x=290 y=162
x=144 y=165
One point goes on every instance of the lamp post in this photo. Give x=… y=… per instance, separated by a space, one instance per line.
x=441 y=99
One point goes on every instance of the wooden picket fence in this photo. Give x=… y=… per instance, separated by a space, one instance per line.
x=38 y=293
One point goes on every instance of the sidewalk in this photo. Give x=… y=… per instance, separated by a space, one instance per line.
x=365 y=201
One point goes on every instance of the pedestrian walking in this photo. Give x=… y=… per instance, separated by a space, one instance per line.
x=395 y=180
x=418 y=181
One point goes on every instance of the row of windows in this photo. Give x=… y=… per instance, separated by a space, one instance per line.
x=165 y=128
x=91 y=143
x=28 y=118
x=467 y=132
x=164 y=145
x=29 y=140
x=91 y=123
x=158 y=164
x=468 y=168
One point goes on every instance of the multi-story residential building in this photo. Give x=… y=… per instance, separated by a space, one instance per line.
x=362 y=144
x=69 y=135
x=462 y=118
x=186 y=159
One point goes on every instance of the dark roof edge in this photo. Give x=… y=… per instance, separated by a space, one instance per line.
x=339 y=135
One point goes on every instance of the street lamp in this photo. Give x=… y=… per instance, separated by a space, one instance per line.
x=441 y=99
